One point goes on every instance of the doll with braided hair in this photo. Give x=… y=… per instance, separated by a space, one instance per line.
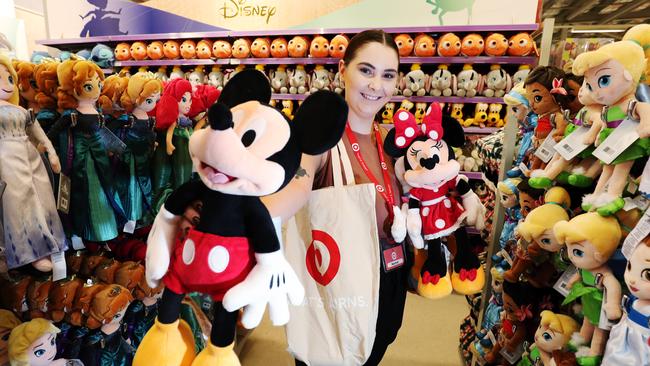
x=47 y=83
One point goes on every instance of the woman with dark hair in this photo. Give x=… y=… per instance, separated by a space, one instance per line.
x=369 y=69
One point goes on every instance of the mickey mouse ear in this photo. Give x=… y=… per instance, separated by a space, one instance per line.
x=245 y=86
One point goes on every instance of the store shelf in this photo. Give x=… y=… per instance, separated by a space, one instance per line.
x=179 y=62
x=468 y=130
x=108 y=71
x=472 y=230
x=474 y=175
x=284 y=61
x=470 y=60
x=430 y=99
x=289 y=96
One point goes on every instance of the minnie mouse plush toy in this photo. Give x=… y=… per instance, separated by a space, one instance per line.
x=434 y=213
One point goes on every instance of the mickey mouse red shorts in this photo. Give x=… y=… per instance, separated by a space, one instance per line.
x=208 y=263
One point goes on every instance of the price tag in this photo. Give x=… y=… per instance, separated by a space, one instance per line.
x=129 y=227
x=640 y=231
x=77 y=243
x=59 y=270
x=644 y=185
x=621 y=138
x=562 y=284
x=63 y=201
x=572 y=145
x=545 y=151
x=513 y=357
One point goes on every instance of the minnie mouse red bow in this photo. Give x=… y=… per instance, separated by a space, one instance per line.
x=407 y=129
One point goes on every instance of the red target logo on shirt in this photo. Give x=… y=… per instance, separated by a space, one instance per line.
x=323 y=257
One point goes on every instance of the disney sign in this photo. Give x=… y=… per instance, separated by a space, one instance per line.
x=245 y=8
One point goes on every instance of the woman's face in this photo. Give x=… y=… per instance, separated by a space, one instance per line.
x=7 y=83
x=90 y=90
x=541 y=100
x=370 y=79
x=185 y=104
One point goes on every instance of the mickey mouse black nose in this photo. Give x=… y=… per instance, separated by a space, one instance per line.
x=220 y=117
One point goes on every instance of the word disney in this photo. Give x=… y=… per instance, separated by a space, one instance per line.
x=241 y=8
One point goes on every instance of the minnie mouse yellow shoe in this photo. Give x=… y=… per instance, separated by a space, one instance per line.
x=433 y=286
x=468 y=282
x=166 y=345
x=217 y=356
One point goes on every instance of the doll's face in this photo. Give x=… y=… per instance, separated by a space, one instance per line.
x=497 y=285
x=540 y=99
x=549 y=340
x=548 y=242
x=508 y=200
x=519 y=112
x=118 y=316
x=7 y=83
x=185 y=104
x=43 y=350
x=509 y=306
x=527 y=203
x=370 y=79
x=29 y=93
x=573 y=88
x=608 y=83
x=90 y=90
x=585 y=256
x=195 y=79
x=150 y=102
x=637 y=273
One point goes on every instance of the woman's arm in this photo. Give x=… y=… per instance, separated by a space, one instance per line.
x=291 y=198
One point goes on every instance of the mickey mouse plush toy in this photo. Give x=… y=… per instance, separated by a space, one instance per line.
x=434 y=212
x=233 y=254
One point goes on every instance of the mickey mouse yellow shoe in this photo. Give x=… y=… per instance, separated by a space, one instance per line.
x=217 y=356
x=166 y=345
x=468 y=282
x=433 y=286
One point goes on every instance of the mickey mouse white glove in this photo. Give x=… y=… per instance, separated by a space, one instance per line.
x=475 y=210
x=159 y=245
x=271 y=281
x=398 y=229
x=414 y=227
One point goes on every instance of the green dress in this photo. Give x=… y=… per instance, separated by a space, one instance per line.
x=103 y=349
x=640 y=148
x=530 y=359
x=574 y=125
x=590 y=296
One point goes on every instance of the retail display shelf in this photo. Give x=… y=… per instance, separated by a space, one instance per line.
x=468 y=130
x=430 y=99
x=473 y=175
x=178 y=62
x=532 y=60
x=284 y=61
x=108 y=71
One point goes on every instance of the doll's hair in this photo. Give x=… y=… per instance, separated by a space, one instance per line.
x=517 y=96
x=640 y=34
x=141 y=86
x=535 y=193
x=114 y=87
x=8 y=320
x=22 y=337
x=47 y=82
x=509 y=186
x=559 y=323
x=129 y=275
x=106 y=303
x=167 y=107
x=604 y=233
x=25 y=72
x=544 y=75
x=497 y=272
x=544 y=217
x=4 y=61
x=627 y=53
x=558 y=196
x=72 y=75
x=368 y=36
x=565 y=100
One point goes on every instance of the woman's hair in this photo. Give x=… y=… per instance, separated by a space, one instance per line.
x=4 y=61
x=517 y=96
x=365 y=37
x=23 y=335
x=627 y=53
x=167 y=107
x=559 y=323
x=604 y=233
x=47 y=82
x=509 y=186
x=106 y=303
x=72 y=74
x=544 y=75
x=140 y=87
x=8 y=319
x=544 y=217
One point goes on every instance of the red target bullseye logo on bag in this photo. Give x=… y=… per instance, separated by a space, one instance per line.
x=323 y=257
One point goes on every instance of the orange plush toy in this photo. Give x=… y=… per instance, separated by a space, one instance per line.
x=139 y=50
x=319 y=47
x=298 y=46
x=449 y=45
x=188 y=49
x=521 y=44
x=122 y=52
x=496 y=44
x=170 y=50
x=338 y=45
x=261 y=48
x=472 y=45
x=204 y=49
x=405 y=44
x=221 y=49
x=279 y=48
x=155 y=50
x=241 y=48
x=425 y=46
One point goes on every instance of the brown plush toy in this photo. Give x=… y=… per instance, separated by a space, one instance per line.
x=61 y=298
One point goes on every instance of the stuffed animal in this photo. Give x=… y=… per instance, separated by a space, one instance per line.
x=298 y=80
x=472 y=45
x=138 y=50
x=496 y=44
x=279 y=80
x=298 y=46
x=320 y=79
x=470 y=82
x=319 y=47
x=521 y=44
x=497 y=82
x=425 y=46
x=215 y=77
x=433 y=172
x=337 y=83
x=37 y=297
x=241 y=48
x=415 y=82
x=188 y=49
x=442 y=82
x=177 y=73
x=420 y=110
x=406 y=105
x=221 y=49
x=261 y=47
x=449 y=45
x=494 y=115
x=155 y=50
x=103 y=56
x=204 y=49
x=521 y=74
x=8 y=321
x=480 y=116
x=405 y=44
x=279 y=48
x=387 y=113
x=338 y=45
x=235 y=253
x=171 y=50
x=34 y=343
x=287 y=109
x=122 y=52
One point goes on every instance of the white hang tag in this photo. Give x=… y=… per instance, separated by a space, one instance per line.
x=641 y=202
x=572 y=145
x=640 y=231
x=644 y=186
x=129 y=227
x=603 y=322
x=77 y=243
x=632 y=187
x=629 y=204
x=506 y=256
x=63 y=200
x=59 y=270
x=524 y=169
x=620 y=139
x=545 y=151
x=562 y=283
x=491 y=336
x=515 y=356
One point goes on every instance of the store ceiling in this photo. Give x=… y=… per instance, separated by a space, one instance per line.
x=597 y=12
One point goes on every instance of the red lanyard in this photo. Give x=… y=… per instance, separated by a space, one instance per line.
x=387 y=192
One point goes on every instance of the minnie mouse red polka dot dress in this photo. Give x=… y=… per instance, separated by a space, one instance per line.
x=441 y=214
